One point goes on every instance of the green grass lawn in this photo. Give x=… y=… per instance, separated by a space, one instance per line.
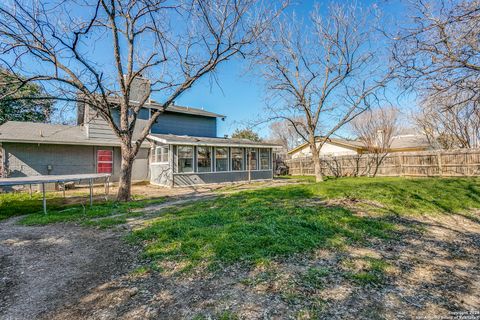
x=260 y=225
x=20 y=203
x=62 y=210
x=254 y=226
x=91 y=215
x=406 y=196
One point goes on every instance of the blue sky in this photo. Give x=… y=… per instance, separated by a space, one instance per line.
x=242 y=96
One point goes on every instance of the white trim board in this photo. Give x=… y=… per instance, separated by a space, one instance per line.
x=212 y=144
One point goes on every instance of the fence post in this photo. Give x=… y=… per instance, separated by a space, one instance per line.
x=439 y=161
x=368 y=165
x=301 y=167
x=400 y=162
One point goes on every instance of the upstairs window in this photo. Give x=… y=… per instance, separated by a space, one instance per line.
x=237 y=159
x=204 y=159
x=185 y=158
x=161 y=154
x=264 y=159
x=104 y=161
x=221 y=159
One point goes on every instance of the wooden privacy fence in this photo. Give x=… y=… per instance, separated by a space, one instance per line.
x=438 y=163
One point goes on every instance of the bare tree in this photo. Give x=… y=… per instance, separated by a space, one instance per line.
x=324 y=71
x=438 y=55
x=439 y=52
x=285 y=133
x=376 y=128
x=449 y=127
x=92 y=53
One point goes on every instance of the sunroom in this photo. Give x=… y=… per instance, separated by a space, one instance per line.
x=186 y=160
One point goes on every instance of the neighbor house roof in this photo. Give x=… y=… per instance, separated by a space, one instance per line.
x=408 y=142
x=47 y=133
x=349 y=144
x=205 y=141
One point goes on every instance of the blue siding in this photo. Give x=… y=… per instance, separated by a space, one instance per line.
x=185 y=124
x=179 y=123
x=144 y=114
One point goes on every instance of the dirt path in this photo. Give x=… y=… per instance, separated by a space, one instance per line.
x=42 y=268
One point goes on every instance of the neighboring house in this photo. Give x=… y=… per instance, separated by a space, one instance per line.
x=341 y=147
x=181 y=149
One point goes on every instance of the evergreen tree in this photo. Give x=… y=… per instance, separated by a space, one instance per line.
x=246 y=134
x=28 y=109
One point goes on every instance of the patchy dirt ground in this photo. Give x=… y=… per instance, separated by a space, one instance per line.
x=430 y=273
x=68 y=272
x=42 y=268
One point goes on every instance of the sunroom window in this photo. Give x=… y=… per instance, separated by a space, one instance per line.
x=264 y=159
x=185 y=158
x=161 y=154
x=221 y=159
x=252 y=159
x=204 y=159
x=237 y=159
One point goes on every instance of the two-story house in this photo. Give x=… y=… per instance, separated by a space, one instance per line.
x=181 y=149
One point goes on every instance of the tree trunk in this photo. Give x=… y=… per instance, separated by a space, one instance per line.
x=316 y=159
x=378 y=161
x=125 y=184
x=317 y=168
x=375 y=170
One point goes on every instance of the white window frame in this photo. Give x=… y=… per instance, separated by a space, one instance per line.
x=243 y=159
x=177 y=167
x=228 y=159
x=162 y=154
x=260 y=159
x=257 y=165
x=211 y=159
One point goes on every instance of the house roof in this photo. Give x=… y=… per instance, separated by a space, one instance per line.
x=47 y=133
x=205 y=141
x=349 y=144
x=409 y=141
x=186 y=110
x=399 y=143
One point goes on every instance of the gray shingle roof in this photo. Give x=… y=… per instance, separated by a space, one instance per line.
x=32 y=132
x=187 y=110
x=189 y=140
x=409 y=141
